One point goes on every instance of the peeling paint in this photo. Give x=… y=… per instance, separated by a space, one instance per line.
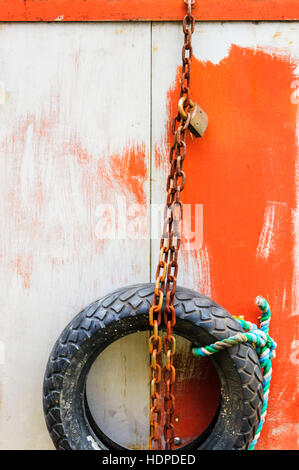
x=66 y=147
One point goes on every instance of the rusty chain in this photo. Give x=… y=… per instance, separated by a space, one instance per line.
x=167 y=269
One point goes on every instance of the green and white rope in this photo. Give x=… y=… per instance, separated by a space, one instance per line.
x=263 y=344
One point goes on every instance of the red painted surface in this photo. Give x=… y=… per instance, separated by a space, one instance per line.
x=166 y=10
x=197 y=384
x=242 y=170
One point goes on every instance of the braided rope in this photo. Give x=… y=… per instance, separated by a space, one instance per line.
x=263 y=344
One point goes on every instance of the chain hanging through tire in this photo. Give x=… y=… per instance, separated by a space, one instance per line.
x=167 y=268
x=242 y=407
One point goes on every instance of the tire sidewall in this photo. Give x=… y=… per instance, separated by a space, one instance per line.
x=75 y=426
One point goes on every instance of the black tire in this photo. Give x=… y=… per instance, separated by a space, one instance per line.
x=125 y=311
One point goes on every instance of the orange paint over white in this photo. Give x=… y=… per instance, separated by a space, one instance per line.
x=247 y=159
x=106 y=10
x=57 y=129
x=24 y=270
x=2 y=93
x=294 y=357
x=129 y=170
x=273 y=220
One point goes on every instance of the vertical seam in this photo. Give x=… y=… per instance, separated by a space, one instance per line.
x=151 y=152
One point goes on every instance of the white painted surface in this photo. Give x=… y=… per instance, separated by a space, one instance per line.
x=76 y=94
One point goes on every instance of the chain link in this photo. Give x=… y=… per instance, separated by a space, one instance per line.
x=167 y=269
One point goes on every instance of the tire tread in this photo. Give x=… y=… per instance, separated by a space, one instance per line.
x=130 y=301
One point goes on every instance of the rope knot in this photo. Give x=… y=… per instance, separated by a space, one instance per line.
x=263 y=344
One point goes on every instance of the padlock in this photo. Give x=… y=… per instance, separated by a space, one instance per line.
x=199 y=119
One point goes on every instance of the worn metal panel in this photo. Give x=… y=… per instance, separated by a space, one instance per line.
x=154 y=10
x=243 y=176
x=74 y=135
x=118 y=393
